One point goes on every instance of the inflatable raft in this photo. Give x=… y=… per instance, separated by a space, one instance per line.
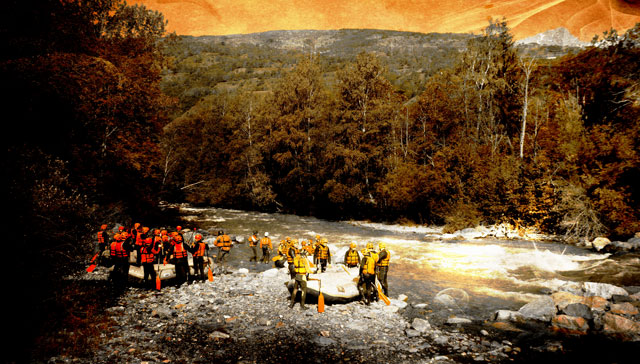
x=338 y=285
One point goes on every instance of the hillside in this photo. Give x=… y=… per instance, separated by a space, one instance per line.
x=205 y=65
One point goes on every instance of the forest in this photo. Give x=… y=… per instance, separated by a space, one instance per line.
x=107 y=115
x=484 y=132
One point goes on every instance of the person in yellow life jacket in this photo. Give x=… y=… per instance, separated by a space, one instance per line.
x=383 y=267
x=293 y=250
x=352 y=257
x=374 y=255
x=253 y=243
x=120 y=249
x=301 y=269
x=224 y=244
x=179 y=254
x=148 y=257
x=322 y=255
x=366 y=283
x=266 y=246
x=199 y=251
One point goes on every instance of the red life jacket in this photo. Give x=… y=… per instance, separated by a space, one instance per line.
x=100 y=236
x=117 y=251
x=200 y=251
x=148 y=252
x=179 y=251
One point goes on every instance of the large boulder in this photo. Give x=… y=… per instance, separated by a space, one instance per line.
x=604 y=290
x=570 y=324
x=542 y=309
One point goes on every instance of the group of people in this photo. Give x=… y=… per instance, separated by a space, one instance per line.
x=161 y=246
x=151 y=247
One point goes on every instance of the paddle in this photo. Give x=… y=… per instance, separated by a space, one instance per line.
x=210 y=273
x=320 y=296
x=94 y=265
x=158 y=283
x=384 y=298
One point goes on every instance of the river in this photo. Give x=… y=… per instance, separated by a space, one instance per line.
x=484 y=275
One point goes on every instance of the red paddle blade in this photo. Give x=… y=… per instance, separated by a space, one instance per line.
x=158 y=284
x=210 y=275
x=94 y=257
x=320 y=303
x=91 y=268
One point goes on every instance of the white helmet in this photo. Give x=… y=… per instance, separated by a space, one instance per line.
x=266 y=233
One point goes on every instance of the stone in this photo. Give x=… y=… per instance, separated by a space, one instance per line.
x=570 y=324
x=458 y=320
x=604 y=290
x=562 y=299
x=599 y=243
x=403 y=297
x=578 y=310
x=622 y=327
x=596 y=303
x=412 y=333
x=542 y=309
x=421 y=325
x=624 y=308
x=508 y=316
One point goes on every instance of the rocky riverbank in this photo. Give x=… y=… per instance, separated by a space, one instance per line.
x=243 y=317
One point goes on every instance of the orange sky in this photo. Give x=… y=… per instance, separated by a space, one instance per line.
x=583 y=18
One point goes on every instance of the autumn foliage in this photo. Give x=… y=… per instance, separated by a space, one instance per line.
x=346 y=143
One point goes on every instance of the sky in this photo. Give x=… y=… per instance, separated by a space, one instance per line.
x=583 y=18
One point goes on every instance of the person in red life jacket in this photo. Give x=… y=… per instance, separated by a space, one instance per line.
x=199 y=250
x=224 y=244
x=382 y=267
x=142 y=236
x=119 y=250
x=148 y=257
x=103 y=241
x=266 y=246
x=352 y=257
x=322 y=255
x=367 y=279
x=179 y=255
x=253 y=243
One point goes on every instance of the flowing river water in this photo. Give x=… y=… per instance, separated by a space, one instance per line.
x=483 y=274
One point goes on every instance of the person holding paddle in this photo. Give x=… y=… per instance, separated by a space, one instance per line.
x=301 y=269
x=383 y=266
x=199 y=251
x=366 y=283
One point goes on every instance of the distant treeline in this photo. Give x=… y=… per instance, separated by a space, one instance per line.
x=485 y=134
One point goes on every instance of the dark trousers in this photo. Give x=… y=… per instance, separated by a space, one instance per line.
x=366 y=287
x=254 y=257
x=382 y=277
x=198 y=267
x=265 y=255
x=182 y=270
x=150 y=273
x=299 y=283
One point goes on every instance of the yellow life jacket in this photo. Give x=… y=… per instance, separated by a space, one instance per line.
x=352 y=257
x=289 y=256
x=323 y=252
x=300 y=264
x=369 y=266
x=385 y=262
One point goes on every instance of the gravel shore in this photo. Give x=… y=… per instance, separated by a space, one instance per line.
x=243 y=317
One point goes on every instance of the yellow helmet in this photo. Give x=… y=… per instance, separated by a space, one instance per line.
x=353 y=245
x=382 y=246
x=369 y=245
